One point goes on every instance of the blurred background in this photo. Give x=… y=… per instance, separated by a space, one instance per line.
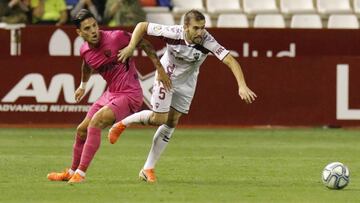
x=301 y=57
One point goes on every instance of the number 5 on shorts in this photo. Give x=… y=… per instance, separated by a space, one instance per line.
x=162 y=93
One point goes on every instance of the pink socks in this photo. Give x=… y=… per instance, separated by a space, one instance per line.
x=77 y=151
x=91 y=146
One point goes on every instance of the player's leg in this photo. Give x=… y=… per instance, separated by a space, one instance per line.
x=117 y=107
x=81 y=133
x=78 y=146
x=145 y=117
x=103 y=118
x=161 y=139
x=180 y=104
x=160 y=101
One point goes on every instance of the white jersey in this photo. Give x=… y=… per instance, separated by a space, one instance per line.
x=181 y=59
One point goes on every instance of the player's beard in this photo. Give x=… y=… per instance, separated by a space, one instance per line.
x=197 y=40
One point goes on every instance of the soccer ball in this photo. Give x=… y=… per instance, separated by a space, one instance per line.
x=336 y=175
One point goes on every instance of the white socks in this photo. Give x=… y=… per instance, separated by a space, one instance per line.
x=160 y=141
x=70 y=171
x=142 y=117
x=80 y=172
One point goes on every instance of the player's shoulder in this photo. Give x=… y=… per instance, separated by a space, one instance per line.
x=170 y=28
x=176 y=29
x=114 y=33
x=173 y=31
x=84 y=48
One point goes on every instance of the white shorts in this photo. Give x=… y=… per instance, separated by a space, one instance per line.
x=179 y=97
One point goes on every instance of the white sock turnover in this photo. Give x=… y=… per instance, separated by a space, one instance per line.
x=139 y=117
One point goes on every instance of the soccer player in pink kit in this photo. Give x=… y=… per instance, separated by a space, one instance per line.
x=122 y=97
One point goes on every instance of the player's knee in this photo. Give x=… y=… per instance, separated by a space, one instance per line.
x=99 y=123
x=158 y=119
x=101 y=120
x=81 y=131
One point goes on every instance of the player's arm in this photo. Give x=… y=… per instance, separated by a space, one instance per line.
x=245 y=93
x=136 y=37
x=85 y=76
x=151 y=53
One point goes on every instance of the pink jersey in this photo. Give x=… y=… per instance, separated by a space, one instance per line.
x=120 y=77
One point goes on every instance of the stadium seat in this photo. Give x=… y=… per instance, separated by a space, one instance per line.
x=160 y=18
x=223 y=6
x=297 y=6
x=156 y=9
x=182 y=6
x=208 y=22
x=357 y=6
x=343 y=21
x=260 y=6
x=269 y=21
x=232 y=20
x=306 y=21
x=333 y=6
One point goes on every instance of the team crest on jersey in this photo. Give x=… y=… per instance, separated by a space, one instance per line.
x=196 y=55
x=170 y=69
x=107 y=53
x=157 y=28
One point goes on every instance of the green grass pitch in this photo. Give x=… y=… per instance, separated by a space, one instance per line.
x=199 y=165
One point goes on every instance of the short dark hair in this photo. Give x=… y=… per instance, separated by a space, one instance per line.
x=81 y=16
x=193 y=14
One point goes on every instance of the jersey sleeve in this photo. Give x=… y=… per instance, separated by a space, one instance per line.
x=214 y=47
x=165 y=31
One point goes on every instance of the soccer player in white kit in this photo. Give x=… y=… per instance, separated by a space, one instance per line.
x=187 y=47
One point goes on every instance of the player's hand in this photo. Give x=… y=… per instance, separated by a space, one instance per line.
x=246 y=94
x=125 y=53
x=164 y=79
x=79 y=93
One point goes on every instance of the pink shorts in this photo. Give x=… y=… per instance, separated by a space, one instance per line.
x=122 y=104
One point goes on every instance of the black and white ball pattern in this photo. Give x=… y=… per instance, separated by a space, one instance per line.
x=336 y=175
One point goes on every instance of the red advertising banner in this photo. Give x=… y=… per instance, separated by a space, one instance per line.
x=4 y=43
x=301 y=77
